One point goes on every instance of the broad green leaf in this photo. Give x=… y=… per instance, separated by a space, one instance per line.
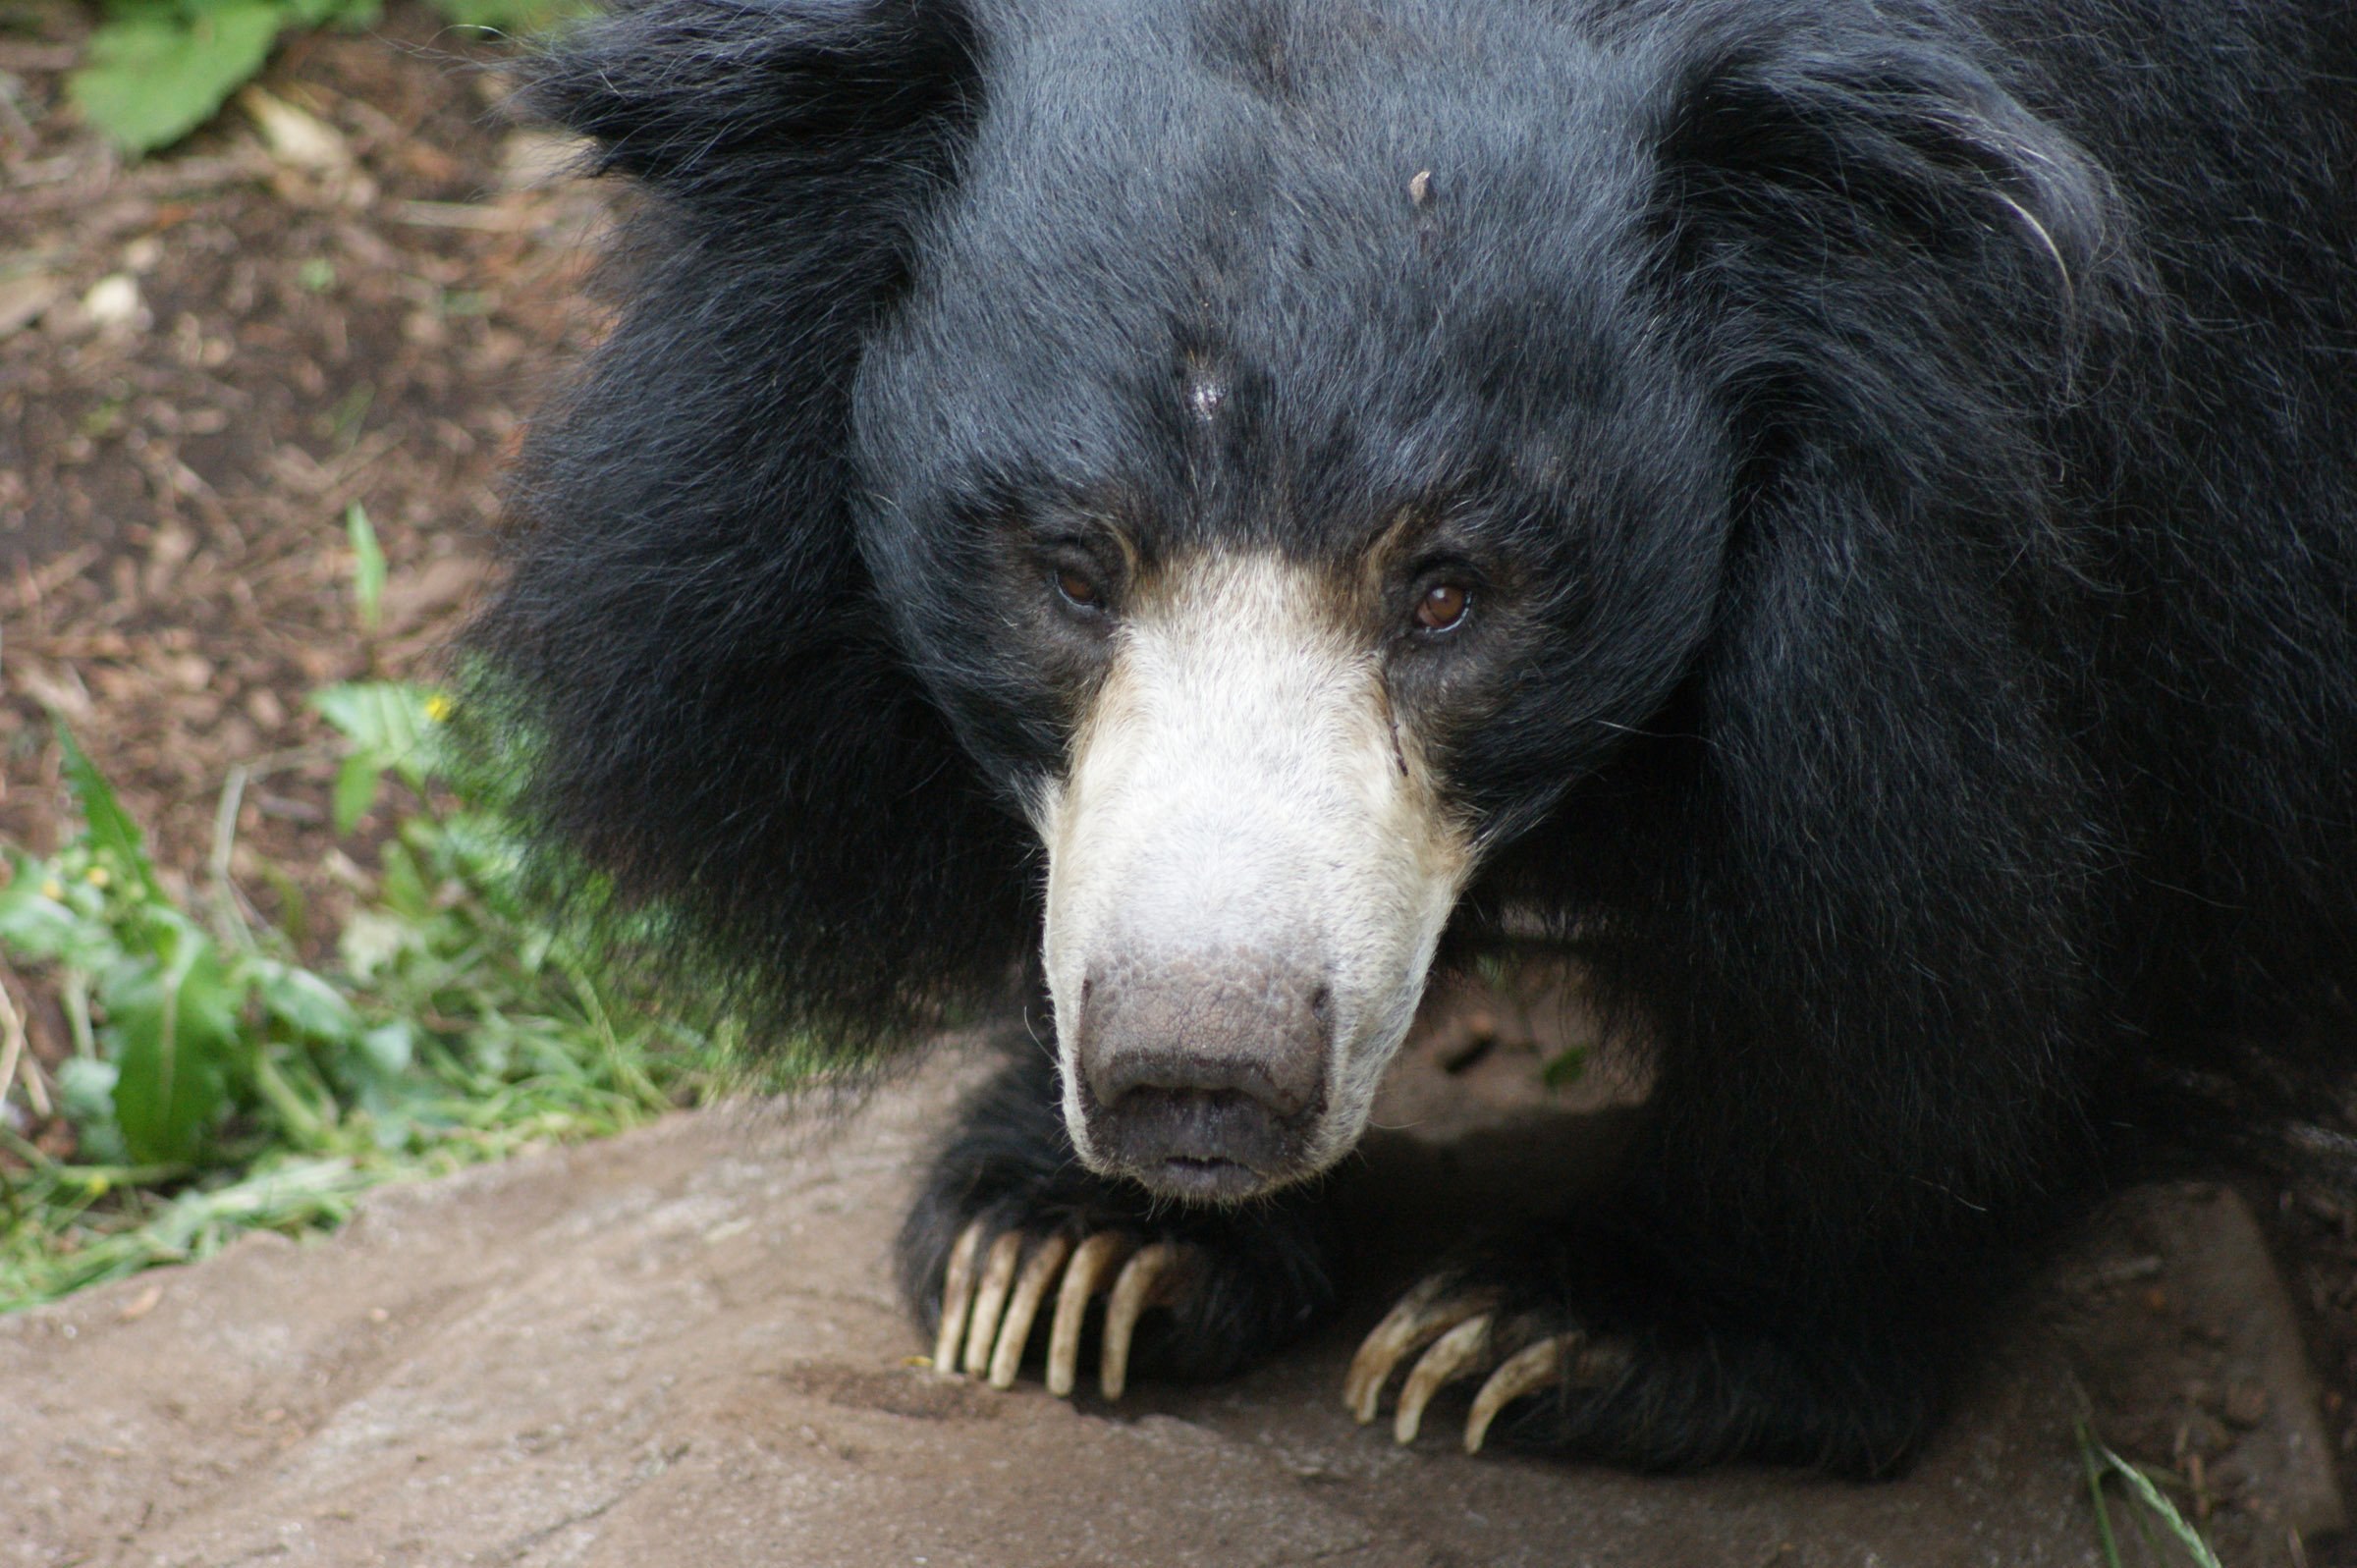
x=111 y=829
x=304 y=1002
x=171 y=1028
x=150 y=82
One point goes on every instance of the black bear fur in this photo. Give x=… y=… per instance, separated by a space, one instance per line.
x=1927 y=430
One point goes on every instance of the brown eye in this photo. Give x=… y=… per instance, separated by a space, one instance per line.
x=1443 y=606
x=1080 y=590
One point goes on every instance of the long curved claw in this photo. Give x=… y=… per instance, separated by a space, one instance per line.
x=1015 y=1329
x=1088 y=1272
x=957 y=1297
x=1527 y=1371
x=1460 y=1350
x=1150 y=1278
x=990 y=1299
x=1423 y=1314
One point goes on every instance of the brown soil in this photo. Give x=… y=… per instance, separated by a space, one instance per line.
x=681 y=1348
x=204 y=361
x=207 y=358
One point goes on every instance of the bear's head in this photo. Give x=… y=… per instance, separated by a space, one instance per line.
x=1198 y=487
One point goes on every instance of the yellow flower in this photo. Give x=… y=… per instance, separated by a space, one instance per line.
x=439 y=707
x=53 y=890
x=97 y=876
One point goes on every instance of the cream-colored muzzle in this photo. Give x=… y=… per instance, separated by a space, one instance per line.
x=1247 y=873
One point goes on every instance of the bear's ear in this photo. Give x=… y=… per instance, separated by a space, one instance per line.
x=1807 y=154
x=716 y=100
x=687 y=666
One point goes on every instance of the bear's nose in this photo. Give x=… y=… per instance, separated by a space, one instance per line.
x=1203 y=1077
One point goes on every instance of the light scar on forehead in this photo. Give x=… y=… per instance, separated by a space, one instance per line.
x=1205 y=393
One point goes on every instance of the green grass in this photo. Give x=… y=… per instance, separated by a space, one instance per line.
x=2151 y=1508
x=219 y=1085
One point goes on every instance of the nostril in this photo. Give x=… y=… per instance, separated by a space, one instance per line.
x=1222 y=1024
x=1286 y=1088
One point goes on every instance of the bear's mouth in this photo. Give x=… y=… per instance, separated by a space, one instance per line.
x=1206 y=1179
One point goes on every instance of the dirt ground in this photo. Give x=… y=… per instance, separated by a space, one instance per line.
x=352 y=290
x=681 y=1348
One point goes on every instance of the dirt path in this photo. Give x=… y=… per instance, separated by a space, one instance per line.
x=682 y=1347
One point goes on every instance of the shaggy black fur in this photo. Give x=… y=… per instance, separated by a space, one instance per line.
x=1908 y=453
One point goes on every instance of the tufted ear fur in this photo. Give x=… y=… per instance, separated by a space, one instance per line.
x=1902 y=285
x=1859 y=191
x=687 y=656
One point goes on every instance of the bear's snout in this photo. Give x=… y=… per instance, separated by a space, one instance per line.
x=1204 y=1076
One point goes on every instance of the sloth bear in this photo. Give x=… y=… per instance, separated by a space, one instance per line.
x=1841 y=513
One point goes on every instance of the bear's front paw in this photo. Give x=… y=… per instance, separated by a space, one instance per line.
x=996 y=1283
x=1463 y=1335
x=1007 y=1219
x=1596 y=1341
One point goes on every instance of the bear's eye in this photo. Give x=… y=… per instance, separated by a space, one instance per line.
x=1080 y=590
x=1441 y=608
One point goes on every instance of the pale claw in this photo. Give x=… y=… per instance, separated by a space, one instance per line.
x=957 y=1297
x=1422 y=1315
x=990 y=1299
x=988 y=1310
x=1526 y=1371
x=1455 y=1353
x=1149 y=1279
x=1015 y=1330
x=1083 y=1277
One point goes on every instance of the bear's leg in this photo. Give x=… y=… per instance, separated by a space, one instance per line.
x=1599 y=1342
x=1010 y=1241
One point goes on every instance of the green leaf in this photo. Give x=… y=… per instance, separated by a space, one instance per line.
x=1564 y=1067
x=172 y=1029
x=357 y=779
x=370 y=944
x=390 y=723
x=85 y=1087
x=512 y=16
x=39 y=928
x=347 y=14
x=368 y=565
x=111 y=830
x=386 y=716
x=2141 y=1487
x=304 y=1002
x=389 y=1048
x=150 y=82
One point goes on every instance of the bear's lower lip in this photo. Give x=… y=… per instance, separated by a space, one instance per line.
x=1203 y=1180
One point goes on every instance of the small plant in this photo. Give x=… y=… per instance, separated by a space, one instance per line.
x=158 y=69
x=219 y=1084
x=2154 y=1507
